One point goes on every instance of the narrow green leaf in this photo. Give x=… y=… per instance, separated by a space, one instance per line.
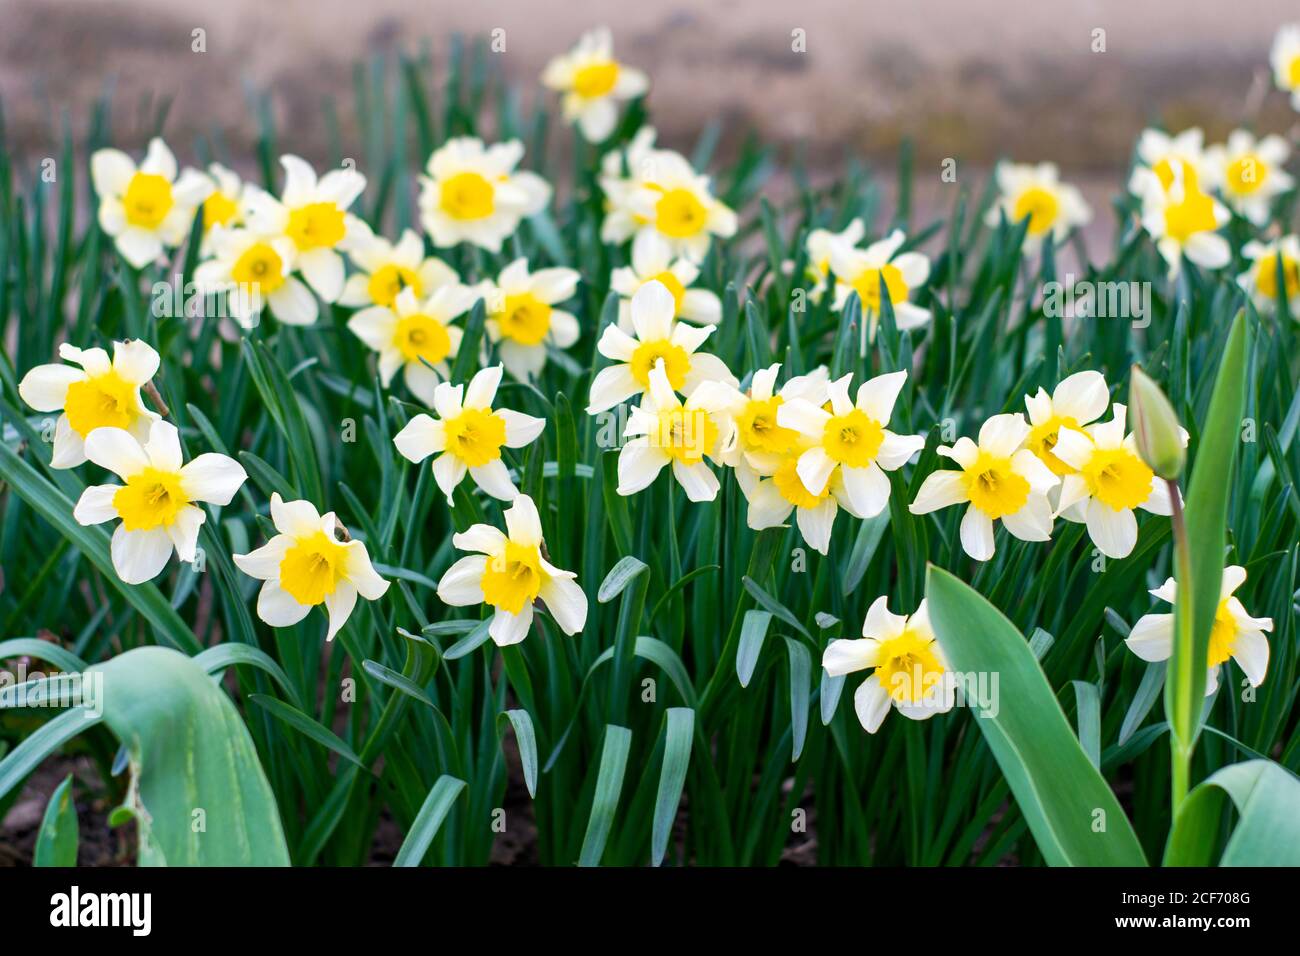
x=609 y=784
x=432 y=813
x=679 y=733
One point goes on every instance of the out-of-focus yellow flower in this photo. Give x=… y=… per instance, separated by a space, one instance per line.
x=1165 y=160
x=820 y=245
x=1036 y=194
x=1183 y=220
x=313 y=214
x=665 y=195
x=256 y=271
x=149 y=208
x=473 y=193
x=592 y=82
x=1249 y=173
x=1076 y=401
x=1285 y=58
x=224 y=206
x=1265 y=278
x=522 y=318
x=863 y=270
x=386 y=268
x=653 y=261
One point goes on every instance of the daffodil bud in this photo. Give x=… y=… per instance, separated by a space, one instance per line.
x=1159 y=437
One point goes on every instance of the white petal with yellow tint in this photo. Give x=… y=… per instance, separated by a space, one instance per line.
x=1250 y=651
x=523 y=524
x=338 y=606
x=521 y=429
x=95 y=505
x=507 y=628
x=977 y=534
x=566 y=602
x=116 y=450
x=264 y=563
x=494 y=478
x=184 y=531
x=1113 y=532
x=939 y=490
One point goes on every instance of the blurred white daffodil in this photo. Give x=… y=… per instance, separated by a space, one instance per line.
x=149 y=208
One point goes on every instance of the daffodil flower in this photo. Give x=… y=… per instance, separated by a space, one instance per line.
x=156 y=504
x=656 y=338
x=1110 y=480
x=999 y=479
x=468 y=435
x=622 y=172
x=255 y=271
x=509 y=572
x=820 y=245
x=1261 y=280
x=664 y=430
x=1076 y=401
x=676 y=202
x=149 y=208
x=522 y=318
x=224 y=206
x=772 y=499
x=852 y=436
x=306 y=564
x=99 y=394
x=908 y=669
x=1036 y=194
x=1250 y=173
x=386 y=268
x=1165 y=160
x=313 y=214
x=415 y=336
x=1235 y=634
x=862 y=270
x=1183 y=221
x=592 y=82
x=653 y=261
x=1285 y=59
x=474 y=194
x=762 y=445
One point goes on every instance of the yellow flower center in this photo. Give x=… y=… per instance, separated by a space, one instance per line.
x=317 y=225
x=759 y=430
x=1194 y=214
x=311 y=569
x=105 y=401
x=149 y=499
x=993 y=487
x=468 y=196
x=218 y=209
x=677 y=362
x=387 y=282
x=595 y=79
x=867 y=284
x=147 y=200
x=679 y=215
x=1246 y=174
x=1117 y=478
x=1166 y=173
x=793 y=489
x=908 y=666
x=1266 y=277
x=514 y=577
x=1042 y=439
x=685 y=434
x=526 y=319
x=853 y=439
x=1293 y=72
x=1223 y=635
x=259 y=267
x=422 y=337
x=475 y=436
x=1040 y=206
x=674 y=285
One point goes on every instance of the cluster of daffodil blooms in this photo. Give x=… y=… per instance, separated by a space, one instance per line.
x=803 y=445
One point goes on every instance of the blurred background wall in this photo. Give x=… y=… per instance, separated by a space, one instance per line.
x=974 y=80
